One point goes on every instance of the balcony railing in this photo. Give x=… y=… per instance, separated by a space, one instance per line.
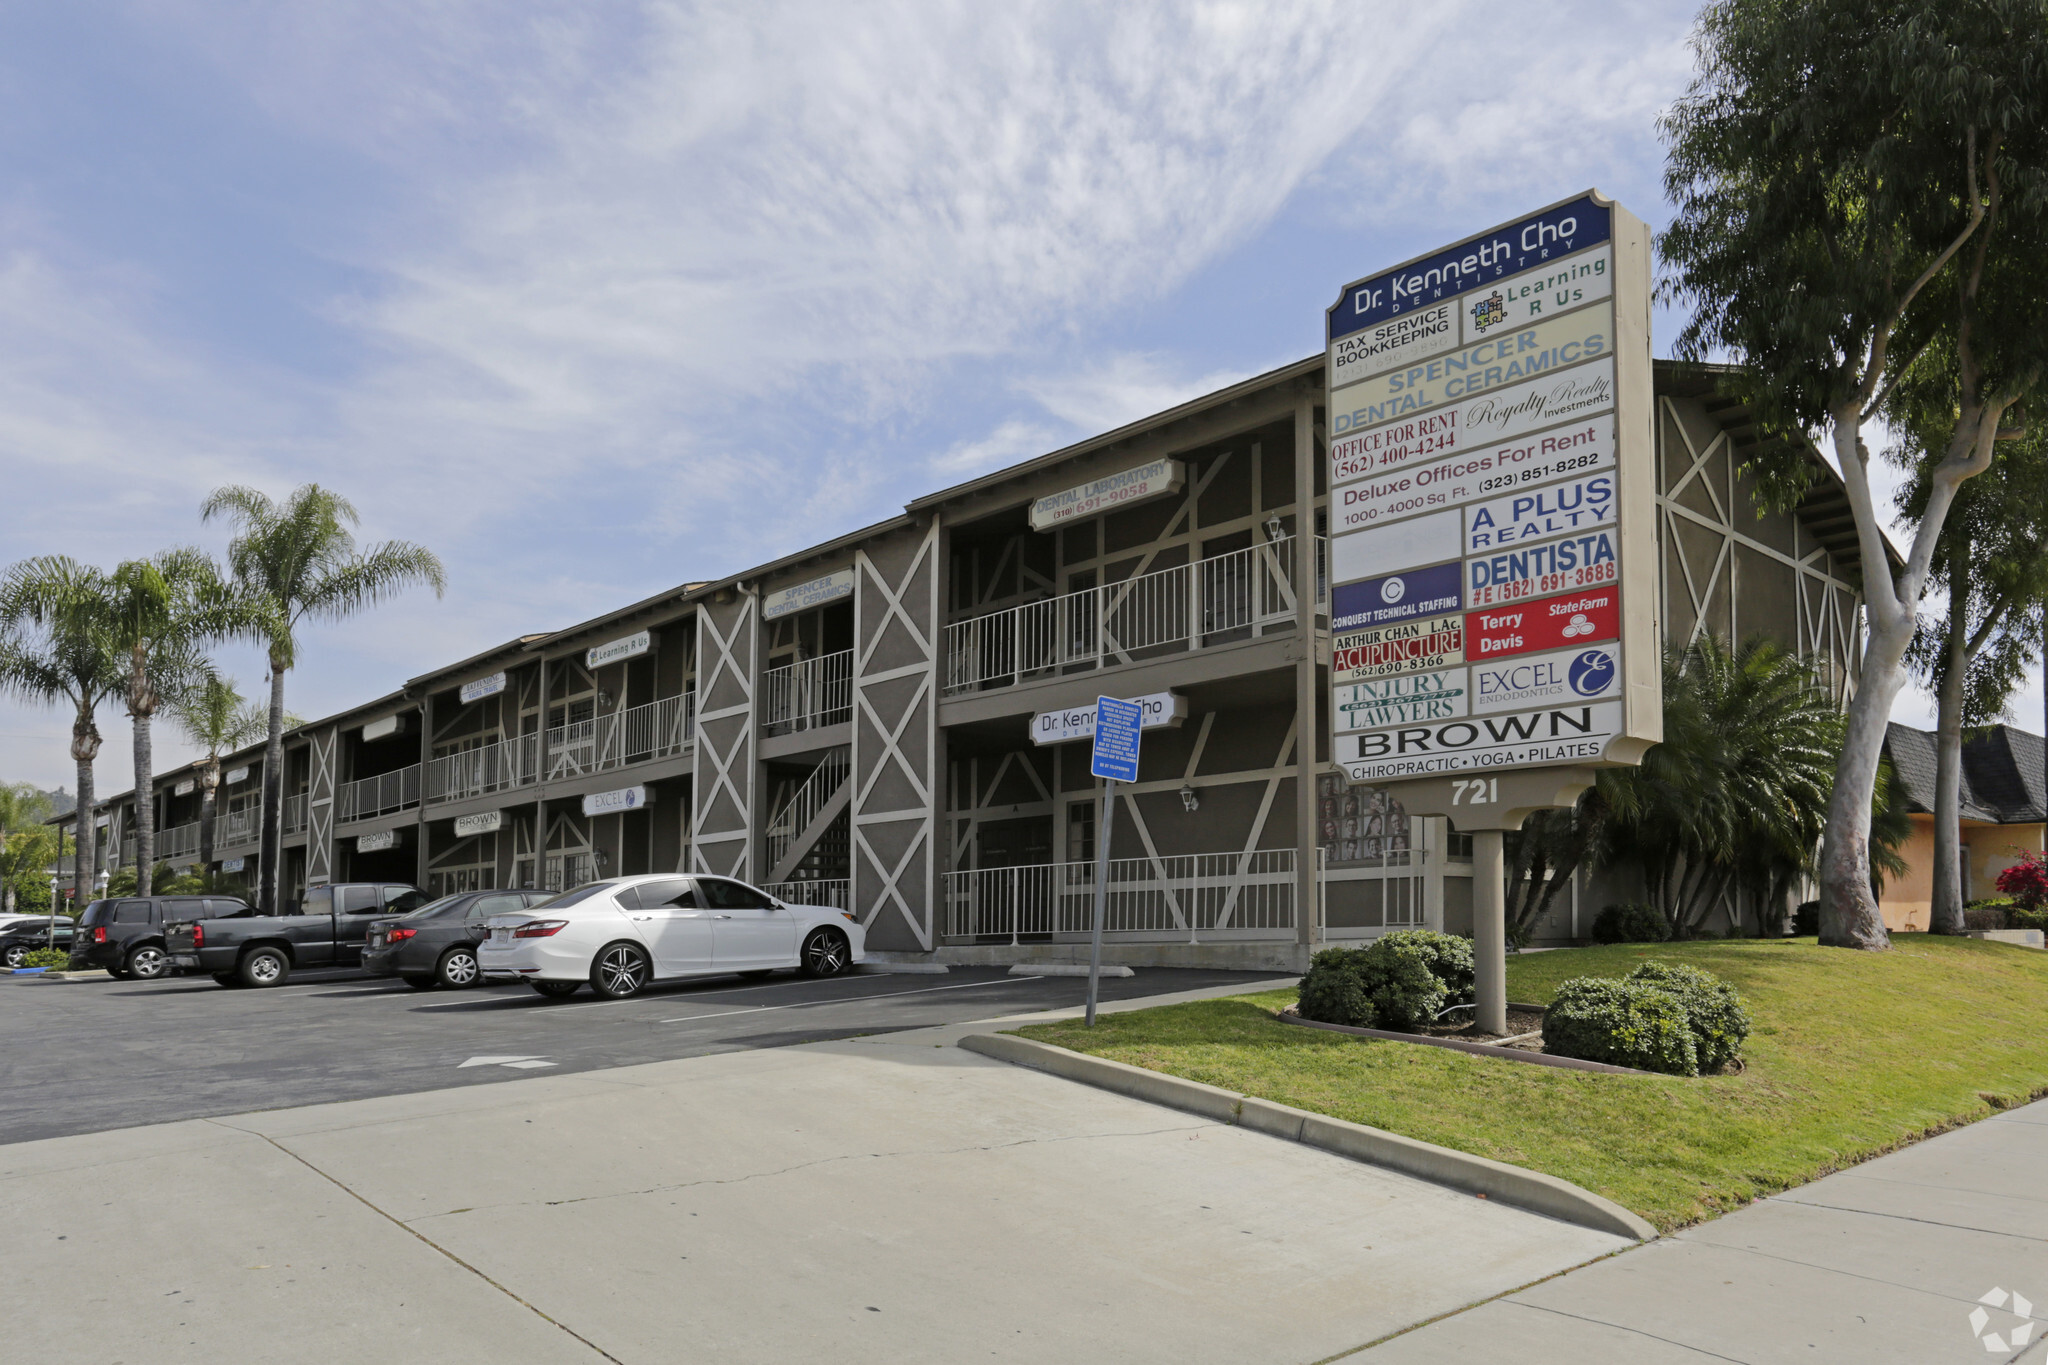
x=808 y=694
x=826 y=891
x=496 y=767
x=244 y=826
x=380 y=795
x=659 y=729
x=1187 y=897
x=1239 y=595
x=179 y=841
x=296 y=814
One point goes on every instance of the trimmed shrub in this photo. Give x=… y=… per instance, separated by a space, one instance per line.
x=1806 y=919
x=1447 y=956
x=2028 y=919
x=1375 y=987
x=1630 y=923
x=1979 y=915
x=1716 y=1014
x=47 y=957
x=1622 y=1023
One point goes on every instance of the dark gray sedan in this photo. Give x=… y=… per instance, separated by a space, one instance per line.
x=435 y=945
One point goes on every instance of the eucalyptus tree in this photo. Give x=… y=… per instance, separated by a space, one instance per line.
x=1990 y=559
x=57 y=648
x=215 y=717
x=167 y=610
x=1856 y=180
x=294 y=562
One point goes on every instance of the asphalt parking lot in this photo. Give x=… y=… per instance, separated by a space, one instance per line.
x=90 y=1055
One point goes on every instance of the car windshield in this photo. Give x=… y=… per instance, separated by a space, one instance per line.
x=447 y=905
x=576 y=896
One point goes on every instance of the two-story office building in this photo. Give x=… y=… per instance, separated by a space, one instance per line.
x=896 y=720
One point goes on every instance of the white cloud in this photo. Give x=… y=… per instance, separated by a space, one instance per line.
x=645 y=292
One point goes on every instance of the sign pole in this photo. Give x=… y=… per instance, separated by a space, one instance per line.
x=1101 y=894
x=1114 y=760
x=1490 y=930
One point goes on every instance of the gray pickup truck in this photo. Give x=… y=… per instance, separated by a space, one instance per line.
x=263 y=950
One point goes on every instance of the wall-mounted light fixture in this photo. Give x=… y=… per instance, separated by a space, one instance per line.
x=1273 y=527
x=604 y=700
x=601 y=858
x=1189 y=799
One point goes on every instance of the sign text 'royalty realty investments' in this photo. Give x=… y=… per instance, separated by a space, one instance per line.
x=1478 y=454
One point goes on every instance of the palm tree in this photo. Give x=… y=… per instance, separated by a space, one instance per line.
x=1734 y=800
x=214 y=716
x=56 y=647
x=167 y=609
x=297 y=561
x=22 y=807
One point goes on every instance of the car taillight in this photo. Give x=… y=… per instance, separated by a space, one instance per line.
x=198 y=936
x=398 y=935
x=99 y=934
x=540 y=928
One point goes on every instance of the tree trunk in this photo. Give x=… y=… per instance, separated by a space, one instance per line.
x=1946 y=914
x=1849 y=916
x=269 y=851
x=209 y=788
x=145 y=806
x=85 y=747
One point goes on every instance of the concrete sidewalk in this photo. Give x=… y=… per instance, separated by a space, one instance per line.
x=1884 y=1262
x=886 y=1199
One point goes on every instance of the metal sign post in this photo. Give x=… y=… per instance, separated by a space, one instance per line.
x=1115 y=759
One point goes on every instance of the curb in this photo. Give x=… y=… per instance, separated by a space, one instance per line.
x=1524 y=1189
x=1063 y=969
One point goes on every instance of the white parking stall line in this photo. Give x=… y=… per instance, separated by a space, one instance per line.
x=657 y=1000
x=847 y=999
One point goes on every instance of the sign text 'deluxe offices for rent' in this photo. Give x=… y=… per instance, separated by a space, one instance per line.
x=1480 y=442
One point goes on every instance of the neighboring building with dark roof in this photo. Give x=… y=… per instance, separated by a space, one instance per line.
x=2004 y=806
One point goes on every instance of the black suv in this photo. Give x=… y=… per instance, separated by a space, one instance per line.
x=126 y=936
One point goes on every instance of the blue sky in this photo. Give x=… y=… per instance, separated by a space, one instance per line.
x=597 y=299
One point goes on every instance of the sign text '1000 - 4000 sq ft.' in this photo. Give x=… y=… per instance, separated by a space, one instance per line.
x=1476 y=465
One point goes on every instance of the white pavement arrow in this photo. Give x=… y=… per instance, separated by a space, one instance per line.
x=522 y=1063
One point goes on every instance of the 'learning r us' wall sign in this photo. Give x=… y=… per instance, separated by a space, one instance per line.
x=1493 y=550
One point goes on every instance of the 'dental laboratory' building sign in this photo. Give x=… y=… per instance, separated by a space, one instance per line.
x=1493 y=502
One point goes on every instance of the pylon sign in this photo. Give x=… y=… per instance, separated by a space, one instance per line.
x=1492 y=483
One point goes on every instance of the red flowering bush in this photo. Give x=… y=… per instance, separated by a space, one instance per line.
x=2026 y=881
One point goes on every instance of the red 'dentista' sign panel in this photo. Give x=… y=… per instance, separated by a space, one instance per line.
x=1576 y=618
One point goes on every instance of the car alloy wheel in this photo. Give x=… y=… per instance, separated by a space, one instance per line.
x=16 y=955
x=264 y=967
x=458 y=969
x=825 y=954
x=147 y=964
x=620 y=971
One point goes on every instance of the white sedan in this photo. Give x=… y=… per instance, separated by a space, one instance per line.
x=621 y=933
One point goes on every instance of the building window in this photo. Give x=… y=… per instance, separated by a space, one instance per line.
x=1081 y=832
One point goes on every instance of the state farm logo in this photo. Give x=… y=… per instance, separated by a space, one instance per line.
x=2011 y=1339
x=1577 y=626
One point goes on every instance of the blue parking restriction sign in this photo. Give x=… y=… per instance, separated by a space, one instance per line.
x=1116 y=740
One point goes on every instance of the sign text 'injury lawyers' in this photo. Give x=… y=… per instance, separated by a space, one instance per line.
x=1480 y=448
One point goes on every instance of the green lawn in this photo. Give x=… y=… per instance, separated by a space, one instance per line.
x=1852 y=1054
